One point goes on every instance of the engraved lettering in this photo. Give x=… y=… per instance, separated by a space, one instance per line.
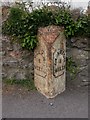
x=58 y=62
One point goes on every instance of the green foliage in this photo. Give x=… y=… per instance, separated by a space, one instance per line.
x=17 y=25
x=29 y=42
x=88 y=26
x=64 y=19
x=83 y=26
x=29 y=84
x=24 y=25
x=14 y=25
x=71 y=67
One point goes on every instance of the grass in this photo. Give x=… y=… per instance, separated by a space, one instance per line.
x=29 y=84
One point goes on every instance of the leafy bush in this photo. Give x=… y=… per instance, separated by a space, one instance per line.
x=24 y=25
x=83 y=26
x=17 y=25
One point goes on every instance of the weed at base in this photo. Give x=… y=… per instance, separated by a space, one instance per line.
x=29 y=84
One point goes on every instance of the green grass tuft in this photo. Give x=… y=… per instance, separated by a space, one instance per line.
x=29 y=84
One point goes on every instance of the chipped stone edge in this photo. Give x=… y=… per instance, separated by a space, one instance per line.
x=51 y=97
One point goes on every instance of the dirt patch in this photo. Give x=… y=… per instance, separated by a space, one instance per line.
x=14 y=89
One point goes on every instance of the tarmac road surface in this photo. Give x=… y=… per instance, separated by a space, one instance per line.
x=73 y=103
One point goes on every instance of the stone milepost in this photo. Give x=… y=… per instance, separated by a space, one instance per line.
x=50 y=61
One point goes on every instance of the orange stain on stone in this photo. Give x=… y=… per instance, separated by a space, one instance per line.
x=50 y=33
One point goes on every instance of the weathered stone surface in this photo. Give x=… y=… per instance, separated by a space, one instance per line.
x=80 y=42
x=49 y=61
x=16 y=62
x=79 y=56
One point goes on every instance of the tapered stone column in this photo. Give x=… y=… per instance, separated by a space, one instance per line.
x=49 y=61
